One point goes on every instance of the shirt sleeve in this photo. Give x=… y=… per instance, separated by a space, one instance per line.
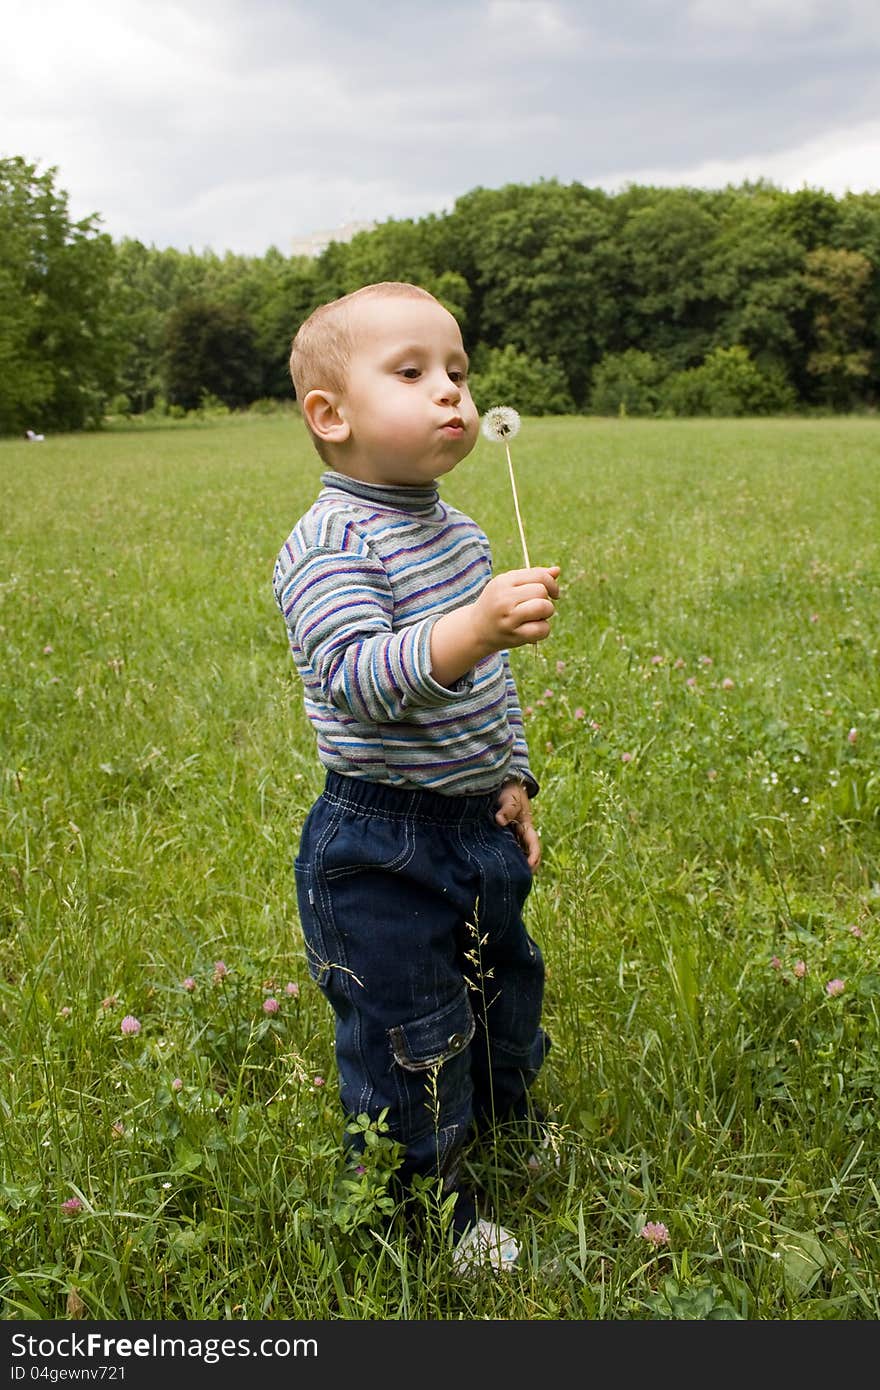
x=339 y=608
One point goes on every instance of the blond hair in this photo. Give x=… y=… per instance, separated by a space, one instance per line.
x=321 y=351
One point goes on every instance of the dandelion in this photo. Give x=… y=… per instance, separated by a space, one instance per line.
x=500 y=424
x=655 y=1232
x=271 y=1005
x=71 y=1206
x=835 y=987
x=852 y=735
x=188 y=984
x=291 y=988
x=130 y=1026
x=800 y=969
x=177 y=1083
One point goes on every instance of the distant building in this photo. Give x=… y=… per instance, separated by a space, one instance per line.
x=317 y=242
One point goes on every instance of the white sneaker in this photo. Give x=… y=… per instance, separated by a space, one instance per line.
x=485 y=1244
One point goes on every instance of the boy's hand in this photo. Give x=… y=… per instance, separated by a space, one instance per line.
x=515 y=608
x=515 y=809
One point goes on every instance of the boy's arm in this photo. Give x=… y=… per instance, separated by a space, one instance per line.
x=338 y=607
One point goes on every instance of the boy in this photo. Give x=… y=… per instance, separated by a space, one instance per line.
x=416 y=860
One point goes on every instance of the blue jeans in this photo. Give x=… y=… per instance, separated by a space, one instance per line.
x=411 y=905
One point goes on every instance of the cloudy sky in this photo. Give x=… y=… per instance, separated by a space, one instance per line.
x=241 y=124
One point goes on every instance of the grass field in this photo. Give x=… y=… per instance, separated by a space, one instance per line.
x=704 y=722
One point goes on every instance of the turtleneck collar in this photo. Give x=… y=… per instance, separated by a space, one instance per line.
x=404 y=499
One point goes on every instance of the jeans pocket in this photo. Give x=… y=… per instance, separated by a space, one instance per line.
x=432 y=1067
x=317 y=956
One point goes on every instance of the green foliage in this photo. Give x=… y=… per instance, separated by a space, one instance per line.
x=57 y=332
x=504 y=375
x=728 y=383
x=627 y=383
x=209 y=351
x=574 y=280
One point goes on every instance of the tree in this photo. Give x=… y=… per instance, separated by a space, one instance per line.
x=627 y=383
x=504 y=376
x=728 y=383
x=837 y=281
x=58 y=336
x=209 y=351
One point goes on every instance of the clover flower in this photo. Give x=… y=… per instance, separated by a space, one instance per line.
x=130 y=1025
x=500 y=424
x=835 y=987
x=271 y=1005
x=655 y=1233
x=71 y=1206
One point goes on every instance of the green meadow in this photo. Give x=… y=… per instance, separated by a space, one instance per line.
x=705 y=727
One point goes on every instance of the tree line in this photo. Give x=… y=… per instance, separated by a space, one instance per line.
x=683 y=301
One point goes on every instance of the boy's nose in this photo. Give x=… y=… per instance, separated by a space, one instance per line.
x=447 y=392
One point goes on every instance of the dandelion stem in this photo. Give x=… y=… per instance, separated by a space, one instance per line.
x=522 y=534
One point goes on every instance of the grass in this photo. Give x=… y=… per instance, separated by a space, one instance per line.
x=704 y=723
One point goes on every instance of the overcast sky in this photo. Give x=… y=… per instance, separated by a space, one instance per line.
x=241 y=124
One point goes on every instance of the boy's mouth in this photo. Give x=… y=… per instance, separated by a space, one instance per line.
x=455 y=425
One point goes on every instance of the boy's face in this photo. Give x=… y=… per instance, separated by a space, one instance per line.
x=406 y=402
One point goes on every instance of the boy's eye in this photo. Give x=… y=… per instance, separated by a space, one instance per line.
x=409 y=373
x=457 y=376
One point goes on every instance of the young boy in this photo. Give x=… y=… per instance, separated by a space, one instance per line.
x=416 y=860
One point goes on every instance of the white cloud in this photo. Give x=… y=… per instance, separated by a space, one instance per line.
x=839 y=162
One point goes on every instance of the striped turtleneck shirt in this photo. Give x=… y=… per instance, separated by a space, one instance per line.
x=360 y=581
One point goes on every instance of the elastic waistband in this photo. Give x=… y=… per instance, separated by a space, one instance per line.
x=407 y=803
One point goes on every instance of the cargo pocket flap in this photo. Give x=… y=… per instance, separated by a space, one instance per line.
x=431 y=1040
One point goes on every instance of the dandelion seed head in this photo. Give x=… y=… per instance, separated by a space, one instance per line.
x=500 y=422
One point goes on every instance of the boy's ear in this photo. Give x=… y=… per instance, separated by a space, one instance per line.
x=322 y=415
